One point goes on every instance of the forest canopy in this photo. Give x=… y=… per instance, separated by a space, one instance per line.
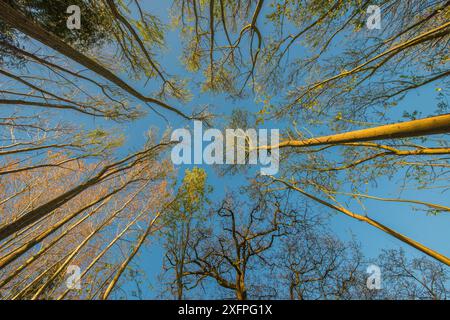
x=88 y=186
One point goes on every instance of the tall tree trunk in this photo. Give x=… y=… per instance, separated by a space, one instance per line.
x=241 y=291
x=125 y=263
x=415 y=128
x=436 y=255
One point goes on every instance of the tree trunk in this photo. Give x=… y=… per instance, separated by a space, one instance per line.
x=241 y=291
x=415 y=128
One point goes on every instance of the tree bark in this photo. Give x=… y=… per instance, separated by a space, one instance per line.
x=422 y=127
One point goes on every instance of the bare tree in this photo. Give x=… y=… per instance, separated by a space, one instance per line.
x=235 y=243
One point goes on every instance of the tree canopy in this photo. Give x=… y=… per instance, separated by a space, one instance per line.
x=86 y=177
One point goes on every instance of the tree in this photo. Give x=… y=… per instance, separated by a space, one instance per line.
x=53 y=16
x=417 y=278
x=25 y=25
x=234 y=242
x=185 y=215
x=313 y=264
